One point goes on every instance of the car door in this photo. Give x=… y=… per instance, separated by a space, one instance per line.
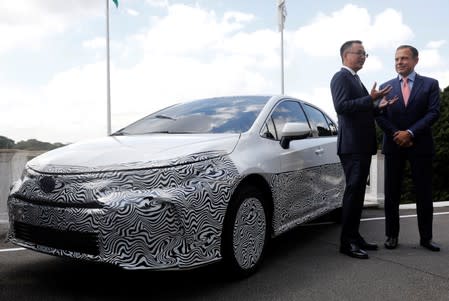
x=322 y=168
x=299 y=184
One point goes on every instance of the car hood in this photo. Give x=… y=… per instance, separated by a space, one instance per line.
x=134 y=152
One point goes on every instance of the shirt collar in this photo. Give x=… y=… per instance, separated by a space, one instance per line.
x=411 y=77
x=349 y=69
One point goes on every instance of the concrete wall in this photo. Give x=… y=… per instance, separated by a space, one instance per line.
x=12 y=163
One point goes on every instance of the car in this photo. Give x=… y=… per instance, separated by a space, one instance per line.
x=195 y=183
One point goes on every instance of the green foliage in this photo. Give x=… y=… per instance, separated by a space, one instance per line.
x=441 y=161
x=6 y=142
x=31 y=144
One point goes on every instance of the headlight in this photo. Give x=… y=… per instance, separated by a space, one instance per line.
x=16 y=184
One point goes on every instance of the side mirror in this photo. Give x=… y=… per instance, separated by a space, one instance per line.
x=294 y=131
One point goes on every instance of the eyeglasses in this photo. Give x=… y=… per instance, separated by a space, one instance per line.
x=364 y=54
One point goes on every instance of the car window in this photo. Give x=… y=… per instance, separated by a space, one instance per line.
x=286 y=111
x=213 y=115
x=332 y=125
x=317 y=121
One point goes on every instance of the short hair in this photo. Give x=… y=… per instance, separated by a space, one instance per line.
x=414 y=51
x=346 y=45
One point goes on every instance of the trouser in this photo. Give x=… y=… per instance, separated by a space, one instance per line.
x=356 y=168
x=421 y=171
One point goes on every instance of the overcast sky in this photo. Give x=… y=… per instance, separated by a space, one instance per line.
x=53 y=55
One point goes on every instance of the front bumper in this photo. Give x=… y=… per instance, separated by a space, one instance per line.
x=169 y=218
x=145 y=234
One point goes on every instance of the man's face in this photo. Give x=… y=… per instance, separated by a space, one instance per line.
x=404 y=61
x=354 y=58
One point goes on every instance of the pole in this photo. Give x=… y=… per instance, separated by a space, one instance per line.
x=108 y=77
x=282 y=12
x=282 y=61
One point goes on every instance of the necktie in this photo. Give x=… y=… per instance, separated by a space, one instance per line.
x=358 y=80
x=405 y=90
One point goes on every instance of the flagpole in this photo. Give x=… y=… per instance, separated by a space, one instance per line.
x=282 y=12
x=282 y=61
x=108 y=77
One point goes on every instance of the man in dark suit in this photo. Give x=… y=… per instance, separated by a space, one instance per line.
x=408 y=137
x=356 y=143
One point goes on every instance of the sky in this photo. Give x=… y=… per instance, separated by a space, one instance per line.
x=53 y=55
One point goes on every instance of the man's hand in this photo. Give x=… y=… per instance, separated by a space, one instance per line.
x=381 y=93
x=403 y=138
x=386 y=102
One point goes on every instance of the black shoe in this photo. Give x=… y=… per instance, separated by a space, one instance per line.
x=391 y=243
x=367 y=246
x=430 y=245
x=354 y=250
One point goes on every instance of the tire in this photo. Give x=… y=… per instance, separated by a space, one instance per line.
x=245 y=232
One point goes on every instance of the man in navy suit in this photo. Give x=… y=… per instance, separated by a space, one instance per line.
x=356 y=142
x=408 y=137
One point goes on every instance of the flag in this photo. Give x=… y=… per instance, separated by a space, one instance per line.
x=115 y=2
x=282 y=13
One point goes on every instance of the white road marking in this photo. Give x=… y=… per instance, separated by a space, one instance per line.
x=370 y=219
x=402 y=216
x=12 y=250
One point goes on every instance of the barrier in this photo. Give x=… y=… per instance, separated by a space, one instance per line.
x=374 y=195
x=12 y=163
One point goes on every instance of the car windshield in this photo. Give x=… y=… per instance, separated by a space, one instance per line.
x=213 y=115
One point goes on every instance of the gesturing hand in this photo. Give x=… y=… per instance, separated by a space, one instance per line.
x=375 y=94
x=386 y=102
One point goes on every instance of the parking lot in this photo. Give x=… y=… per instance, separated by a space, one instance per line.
x=303 y=264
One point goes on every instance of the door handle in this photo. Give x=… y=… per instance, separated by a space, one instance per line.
x=319 y=151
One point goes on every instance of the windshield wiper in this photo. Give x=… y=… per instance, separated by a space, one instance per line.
x=168 y=132
x=118 y=134
x=164 y=117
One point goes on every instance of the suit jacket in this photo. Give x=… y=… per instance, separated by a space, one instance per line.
x=355 y=112
x=422 y=111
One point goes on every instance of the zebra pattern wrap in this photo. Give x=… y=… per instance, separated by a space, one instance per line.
x=158 y=218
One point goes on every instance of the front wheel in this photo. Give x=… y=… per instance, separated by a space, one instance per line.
x=245 y=233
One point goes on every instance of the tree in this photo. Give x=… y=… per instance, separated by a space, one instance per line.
x=5 y=142
x=441 y=161
x=33 y=144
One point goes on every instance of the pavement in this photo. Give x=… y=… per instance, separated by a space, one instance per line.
x=303 y=264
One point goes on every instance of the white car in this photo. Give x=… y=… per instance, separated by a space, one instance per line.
x=189 y=185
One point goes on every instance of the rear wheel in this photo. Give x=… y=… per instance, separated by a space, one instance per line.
x=245 y=233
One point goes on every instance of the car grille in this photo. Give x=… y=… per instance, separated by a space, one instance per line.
x=82 y=242
x=88 y=205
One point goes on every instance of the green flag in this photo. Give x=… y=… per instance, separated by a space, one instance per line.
x=115 y=2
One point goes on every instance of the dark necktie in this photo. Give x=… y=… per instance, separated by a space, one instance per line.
x=358 y=80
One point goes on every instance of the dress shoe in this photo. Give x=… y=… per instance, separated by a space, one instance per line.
x=391 y=243
x=430 y=245
x=367 y=246
x=353 y=250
